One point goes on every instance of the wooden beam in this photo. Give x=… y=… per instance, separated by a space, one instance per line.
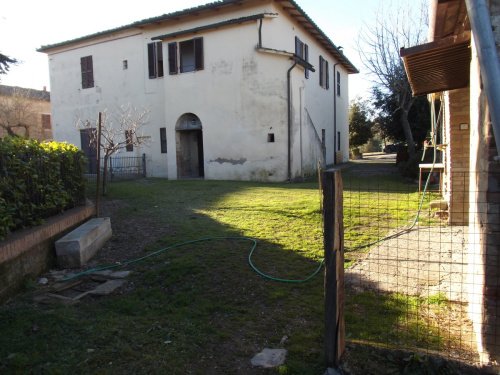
x=334 y=266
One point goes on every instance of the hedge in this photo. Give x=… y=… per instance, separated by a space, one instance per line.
x=37 y=180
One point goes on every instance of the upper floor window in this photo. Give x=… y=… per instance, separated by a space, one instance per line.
x=302 y=51
x=155 y=60
x=338 y=83
x=323 y=73
x=190 y=56
x=299 y=48
x=87 y=68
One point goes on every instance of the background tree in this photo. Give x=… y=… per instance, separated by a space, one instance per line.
x=360 y=127
x=5 y=62
x=18 y=111
x=120 y=129
x=388 y=123
x=379 y=45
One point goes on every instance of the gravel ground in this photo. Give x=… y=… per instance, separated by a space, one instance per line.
x=423 y=262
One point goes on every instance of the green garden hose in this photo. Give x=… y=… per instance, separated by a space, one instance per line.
x=180 y=244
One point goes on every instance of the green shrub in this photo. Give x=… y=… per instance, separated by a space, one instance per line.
x=37 y=180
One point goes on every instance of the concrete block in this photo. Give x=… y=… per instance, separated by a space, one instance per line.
x=77 y=247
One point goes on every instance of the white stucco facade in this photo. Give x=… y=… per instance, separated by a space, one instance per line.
x=256 y=115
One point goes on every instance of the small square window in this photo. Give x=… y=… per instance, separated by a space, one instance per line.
x=125 y=64
x=270 y=137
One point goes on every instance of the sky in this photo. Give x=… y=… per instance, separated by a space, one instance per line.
x=29 y=24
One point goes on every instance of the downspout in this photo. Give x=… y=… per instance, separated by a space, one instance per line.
x=260 y=33
x=488 y=59
x=334 y=114
x=289 y=103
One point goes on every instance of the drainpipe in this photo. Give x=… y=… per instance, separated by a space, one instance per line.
x=488 y=59
x=289 y=103
x=334 y=114
x=260 y=33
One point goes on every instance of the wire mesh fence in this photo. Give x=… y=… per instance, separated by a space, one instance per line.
x=423 y=269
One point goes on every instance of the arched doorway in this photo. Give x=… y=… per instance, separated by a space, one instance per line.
x=189 y=143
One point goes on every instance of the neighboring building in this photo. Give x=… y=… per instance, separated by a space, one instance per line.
x=26 y=112
x=237 y=89
x=458 y=62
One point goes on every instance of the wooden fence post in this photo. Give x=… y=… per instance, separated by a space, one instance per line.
x=334 y=266
x=98 y=179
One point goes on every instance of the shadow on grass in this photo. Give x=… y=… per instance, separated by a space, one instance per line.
x=198 y=308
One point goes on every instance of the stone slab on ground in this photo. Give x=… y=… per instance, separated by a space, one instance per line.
x=107 y=288
x=269 y=358
x=77 y=247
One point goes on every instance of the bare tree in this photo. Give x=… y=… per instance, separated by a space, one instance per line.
x=379 y=45
x=18 y=110
x=120 y=129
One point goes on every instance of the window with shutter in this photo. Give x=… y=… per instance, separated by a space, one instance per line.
x=159 y=59
x=338 y=83
x=198 y=53
x=324 y=76
x=306 y=57
x=191 y=55
x=172 y=58
x=163 y=140
x=299 y=48
x=327 y=75
x=155 y=60
x=151 y=60
x=87 y=70
x=321 y=71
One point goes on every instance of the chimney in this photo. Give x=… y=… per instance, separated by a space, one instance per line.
x=44 y=88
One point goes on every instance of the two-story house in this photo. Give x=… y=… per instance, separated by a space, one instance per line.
x=236 y=89
x=25 y=112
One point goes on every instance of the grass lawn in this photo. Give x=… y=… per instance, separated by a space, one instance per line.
x=200 y=308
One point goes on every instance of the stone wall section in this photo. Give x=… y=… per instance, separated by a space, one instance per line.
x=456 y=138
x=29 y=252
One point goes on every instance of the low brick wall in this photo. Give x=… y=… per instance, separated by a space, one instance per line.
x=29 y=252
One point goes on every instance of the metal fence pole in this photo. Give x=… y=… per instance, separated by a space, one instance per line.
x=143 y=165
x=334 y=266
x=111 y=168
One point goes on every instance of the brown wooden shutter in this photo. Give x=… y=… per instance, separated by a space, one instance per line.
x=327 y=74
x=87 y=70
x=198 y=53
x=306 y=57
x=90 y=71
x=172 y=58
x=159 y=59
x=151 y=60
x=338 y=83
x=321 y=71
x=163 y=140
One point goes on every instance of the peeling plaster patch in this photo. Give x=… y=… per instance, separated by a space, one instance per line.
x=230 y=161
